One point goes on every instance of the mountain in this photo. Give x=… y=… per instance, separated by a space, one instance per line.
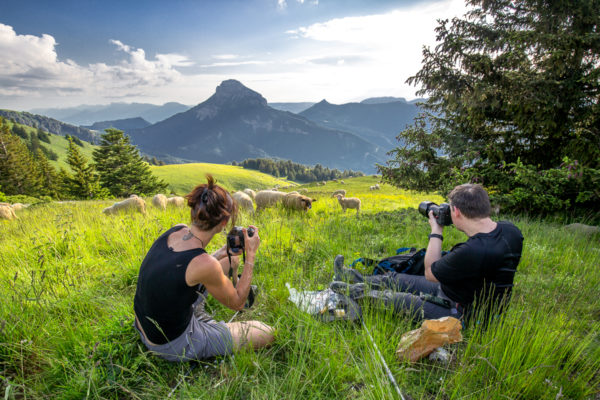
x=50 y=124
x=380 y=100
x=87 y=115
x=378 y=123
x=236 y=123
x=124 y=125
x=291 y=107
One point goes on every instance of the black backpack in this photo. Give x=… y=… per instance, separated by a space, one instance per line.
x=411 y=263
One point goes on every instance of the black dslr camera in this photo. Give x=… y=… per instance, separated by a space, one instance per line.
x=235 y=238
x=441 y=212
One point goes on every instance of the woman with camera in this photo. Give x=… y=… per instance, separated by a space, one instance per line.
x=177 y=266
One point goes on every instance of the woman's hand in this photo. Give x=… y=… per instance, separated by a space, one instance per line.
x=251 y=243
x=221 y=253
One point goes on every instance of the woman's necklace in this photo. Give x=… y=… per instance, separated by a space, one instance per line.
x=190 y=235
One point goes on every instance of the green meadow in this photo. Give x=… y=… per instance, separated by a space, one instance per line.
x=183 y=177
x=69 y=273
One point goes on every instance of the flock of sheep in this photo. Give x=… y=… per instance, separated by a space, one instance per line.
x=246 y=200
x=8 y=211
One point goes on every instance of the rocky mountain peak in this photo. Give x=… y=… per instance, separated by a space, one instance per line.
x=232 y=92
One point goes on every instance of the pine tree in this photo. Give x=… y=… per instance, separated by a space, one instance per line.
x=18 y=172
x=48 y=174
x=121 y=168
x=84 y=183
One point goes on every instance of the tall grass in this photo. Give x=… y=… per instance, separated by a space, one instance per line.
x=68 y=276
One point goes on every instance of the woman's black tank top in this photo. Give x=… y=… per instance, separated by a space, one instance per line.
x=163 y=300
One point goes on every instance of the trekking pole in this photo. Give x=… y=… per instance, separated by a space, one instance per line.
x=385 y=366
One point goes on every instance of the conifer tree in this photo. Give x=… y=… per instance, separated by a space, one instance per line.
x=48 y=175
x=122 y=169
x=84 y=183
x=18 y=172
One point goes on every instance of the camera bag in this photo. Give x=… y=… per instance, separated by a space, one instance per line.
x=412 y=262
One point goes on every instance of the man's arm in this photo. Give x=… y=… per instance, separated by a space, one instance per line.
x=434 y=248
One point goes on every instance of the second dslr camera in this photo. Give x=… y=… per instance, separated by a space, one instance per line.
x=441 y=212
x=235 y=238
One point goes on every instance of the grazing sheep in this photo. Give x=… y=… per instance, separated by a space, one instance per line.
x=341 y=191
x=244 y=201
x=582 y=228
x=303 y=190
x=6 y=212
x=250 y=193
x=19 y=206
x=160 y=201
x=176 y=201
x=132 y=203
x=349 y=202
x=324 y=183
x=266 y=198
x=374 y=187
x=297 y=201
x=342 y=182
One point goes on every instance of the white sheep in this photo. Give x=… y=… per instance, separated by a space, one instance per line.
x=132 y=203
x=266 y=198
x=349 y=202
x=340 y=191
x=342 y=182
x=7 y=212
x=303 y=190
x=297 y=201
x=160 y=201
x=374 y=187
x=250 y=193
x=176 y=201
x=244 y=201
x=19 y=206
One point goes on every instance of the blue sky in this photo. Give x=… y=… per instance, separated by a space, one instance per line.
x=67 y=53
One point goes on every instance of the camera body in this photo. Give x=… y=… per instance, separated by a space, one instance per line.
x=441 y=212
x=235 y=238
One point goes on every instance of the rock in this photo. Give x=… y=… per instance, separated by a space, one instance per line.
x=582 y=228
x=434 y=333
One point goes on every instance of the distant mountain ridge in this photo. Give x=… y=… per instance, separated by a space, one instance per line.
x=292 y=107
x=89 y=114
x=375 y=121
x=236 y=123
x=50 y=124
x=124 y=125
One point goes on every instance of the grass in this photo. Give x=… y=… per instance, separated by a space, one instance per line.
x=182 y=178
x=68 y=276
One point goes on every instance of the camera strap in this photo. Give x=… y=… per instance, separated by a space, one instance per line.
x=229 y=258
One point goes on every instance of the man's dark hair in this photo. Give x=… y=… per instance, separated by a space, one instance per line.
x=471 y=199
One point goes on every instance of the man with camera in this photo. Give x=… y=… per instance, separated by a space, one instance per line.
x=476 y=276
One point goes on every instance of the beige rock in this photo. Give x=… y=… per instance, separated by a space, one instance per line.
x=434 y=333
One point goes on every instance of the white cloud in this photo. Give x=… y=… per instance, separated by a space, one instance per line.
x=33 y=69
x=281 y=4
x=225 y=56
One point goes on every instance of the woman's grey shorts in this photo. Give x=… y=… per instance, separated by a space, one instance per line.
x=201 y=339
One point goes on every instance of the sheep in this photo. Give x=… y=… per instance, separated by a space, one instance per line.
x=340 y=191
x=244 y=201
x=342 y=182
x=297 y=201
x=324 y=183
x=265 y=198
x=176 y=201
x=160 y=201
x=349 y=202
x=132 y=203
x=250 y=193
x=374 y=187
x=6 y=212
x=303 y=190
x=19 y=206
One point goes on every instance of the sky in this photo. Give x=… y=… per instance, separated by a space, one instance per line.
x=67 y=53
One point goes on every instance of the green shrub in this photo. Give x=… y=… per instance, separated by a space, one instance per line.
x=2 y=197
x=21 y=198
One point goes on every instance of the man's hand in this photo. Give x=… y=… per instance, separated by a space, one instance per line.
x=435 y=227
